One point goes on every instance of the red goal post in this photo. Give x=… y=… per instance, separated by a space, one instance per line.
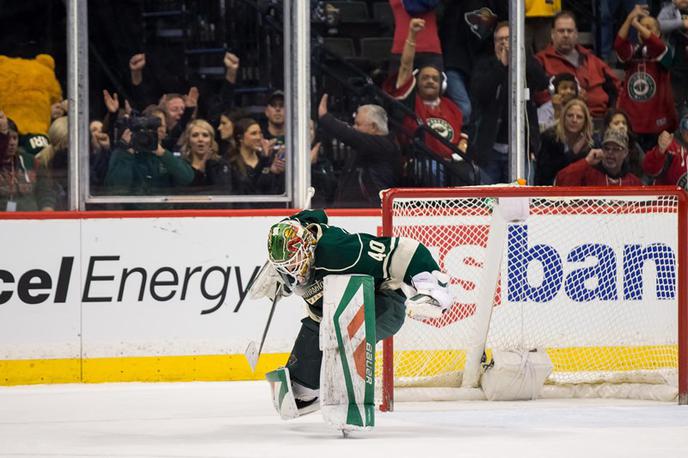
x=596 y=277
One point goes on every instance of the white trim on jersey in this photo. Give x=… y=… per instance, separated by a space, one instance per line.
x=403 y=254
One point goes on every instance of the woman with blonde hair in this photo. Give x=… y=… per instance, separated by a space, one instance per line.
x=567 y=142
x=58 y=135
x=53 y=168
x=199 y=149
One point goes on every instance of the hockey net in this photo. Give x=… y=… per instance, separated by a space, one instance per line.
x=593 y=276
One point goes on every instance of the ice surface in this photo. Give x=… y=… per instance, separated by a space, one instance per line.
x=236 y=419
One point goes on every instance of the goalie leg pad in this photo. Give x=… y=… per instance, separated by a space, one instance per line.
x=347 y=338
x=305 y=358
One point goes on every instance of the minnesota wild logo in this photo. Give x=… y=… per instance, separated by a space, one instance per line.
x=442 y=127
x=641 y=87
x=481 y=22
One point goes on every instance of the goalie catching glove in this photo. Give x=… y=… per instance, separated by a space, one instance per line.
x=265 y=284
x=432 y=296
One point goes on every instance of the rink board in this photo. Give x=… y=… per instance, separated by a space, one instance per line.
x=160 y=296
x=99 y=297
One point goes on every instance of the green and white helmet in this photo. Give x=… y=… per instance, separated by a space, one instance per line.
x=291 y=249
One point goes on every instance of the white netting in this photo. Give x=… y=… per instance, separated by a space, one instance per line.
x=592 y=280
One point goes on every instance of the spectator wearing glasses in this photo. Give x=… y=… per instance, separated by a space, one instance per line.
x=375 y=162
x=618 y=119
x=602 y=167
x=466 y=31
x=490 y=145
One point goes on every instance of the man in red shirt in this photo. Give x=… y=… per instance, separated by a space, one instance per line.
x=601 y=167
x=423 y=95
x=666 y=163
x=599 y=85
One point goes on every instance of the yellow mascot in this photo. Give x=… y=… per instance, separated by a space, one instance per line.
x=28 y=89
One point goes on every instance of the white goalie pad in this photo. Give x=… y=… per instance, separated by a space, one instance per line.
x=282 y=393
x=265 y=283
x=347 y=340
x=513 y=376
x=283 y=396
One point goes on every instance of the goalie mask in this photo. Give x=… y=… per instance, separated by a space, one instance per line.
x=291 y=249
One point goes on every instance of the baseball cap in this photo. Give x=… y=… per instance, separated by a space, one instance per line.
x=278 y=94
x=616 y=136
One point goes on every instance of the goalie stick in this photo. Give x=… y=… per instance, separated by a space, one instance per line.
x=252 y=354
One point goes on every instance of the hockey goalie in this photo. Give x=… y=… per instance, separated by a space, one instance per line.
x=358 y=288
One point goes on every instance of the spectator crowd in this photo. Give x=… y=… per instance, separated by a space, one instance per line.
x=594 y=118
x=617 y=115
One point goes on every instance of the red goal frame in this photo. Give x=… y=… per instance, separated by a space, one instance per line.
x=514 y=191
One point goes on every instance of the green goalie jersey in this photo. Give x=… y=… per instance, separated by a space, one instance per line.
x=391 y=261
